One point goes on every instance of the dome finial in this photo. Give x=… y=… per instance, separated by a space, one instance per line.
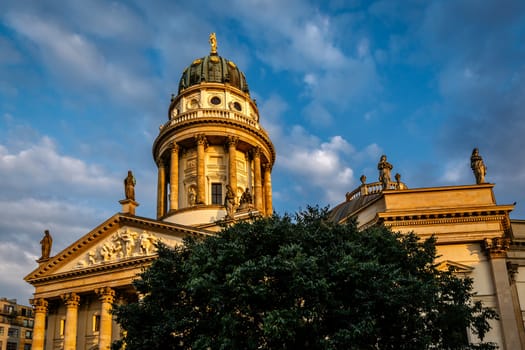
x=213 y=44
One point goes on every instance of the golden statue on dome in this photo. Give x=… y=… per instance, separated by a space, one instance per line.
x=213 y=43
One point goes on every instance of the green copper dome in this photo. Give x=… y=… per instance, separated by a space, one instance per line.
x=213 y=69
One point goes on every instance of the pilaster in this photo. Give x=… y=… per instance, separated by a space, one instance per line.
x=496 y=249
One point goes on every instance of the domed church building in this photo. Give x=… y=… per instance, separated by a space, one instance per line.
x=214 y=165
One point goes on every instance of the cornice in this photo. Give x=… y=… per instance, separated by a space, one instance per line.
x=429 y=220
x=96 y=269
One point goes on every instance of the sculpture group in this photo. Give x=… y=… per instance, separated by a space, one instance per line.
x=124 y=244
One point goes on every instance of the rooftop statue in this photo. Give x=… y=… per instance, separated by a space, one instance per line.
x=129 y=186
x=46 y=243
x=399 y=184
x=213 y=43
x=478 y=167
x=384 y=168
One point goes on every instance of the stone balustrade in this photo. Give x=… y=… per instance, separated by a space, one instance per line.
x=372 y=188
x=211 y=113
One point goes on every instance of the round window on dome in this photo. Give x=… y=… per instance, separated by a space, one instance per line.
x=237 y=106
x=215 y=100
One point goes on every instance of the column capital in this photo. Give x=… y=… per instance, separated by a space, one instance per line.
x=232 y=141
x=174 y=147
x=39 y=304
x=267 y=166
x=201 y=140
x=256 y=152
x=160 y=162
x=105 y=294
x=71 y=299
x=496 y=247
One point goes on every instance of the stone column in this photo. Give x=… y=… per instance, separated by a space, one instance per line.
x=257 y=179
x=106 y=296
x=201 y=184
x=70 y=337
x=496 y=250
x=268 y=189
x=232 y=168
x=174 y=177
x=161 y=189
x=39 y=326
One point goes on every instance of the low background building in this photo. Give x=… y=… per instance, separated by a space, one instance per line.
x=16 y=325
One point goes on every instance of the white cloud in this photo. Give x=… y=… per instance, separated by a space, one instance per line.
x=455 y=171
x=41 y=166
x=319 y=168
x=15 y=263
x=73 y=57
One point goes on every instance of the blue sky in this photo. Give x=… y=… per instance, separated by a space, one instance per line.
x=84 y=86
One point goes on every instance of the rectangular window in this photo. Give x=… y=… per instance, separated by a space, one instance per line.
x=96 y=323
x=8 y=309
x=62 y=327
x=30 y=323
x=11 y=346
x=27 y=346
x=1 y=331
x=12 y=332
x=216 y=193
x=29 y=334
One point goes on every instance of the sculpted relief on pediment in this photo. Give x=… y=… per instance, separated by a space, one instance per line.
x=124 y=244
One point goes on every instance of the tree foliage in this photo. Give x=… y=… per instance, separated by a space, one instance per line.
x=302 y=282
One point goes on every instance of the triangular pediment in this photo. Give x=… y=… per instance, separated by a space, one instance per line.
x=120 y=240
x=458 y=268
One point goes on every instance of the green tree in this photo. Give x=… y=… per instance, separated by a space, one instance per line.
x=302 y=282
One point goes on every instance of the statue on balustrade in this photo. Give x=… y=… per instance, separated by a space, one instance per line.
x=399 y=184
x=46 y=244
x=229 y=202
x=478 y=167
x=246 y=200
x=384 y=168
x=129 y=186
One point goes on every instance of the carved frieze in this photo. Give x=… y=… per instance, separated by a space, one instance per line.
x=122 y=245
